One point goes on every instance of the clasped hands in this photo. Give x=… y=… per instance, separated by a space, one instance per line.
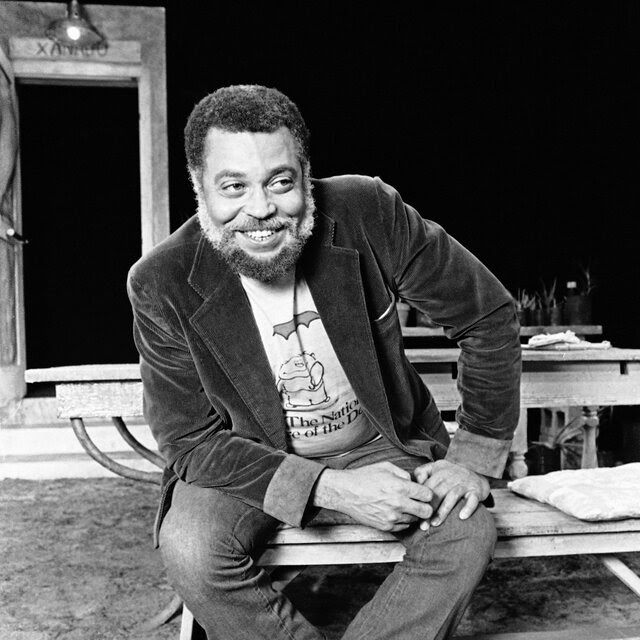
x=389 y=498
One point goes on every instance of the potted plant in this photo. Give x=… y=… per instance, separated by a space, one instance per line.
x=525 y=304
x=539 y=312
x=551 y=310
x=577 y=305
x=556 y=313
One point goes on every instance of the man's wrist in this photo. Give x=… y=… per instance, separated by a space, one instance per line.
x=325 y=492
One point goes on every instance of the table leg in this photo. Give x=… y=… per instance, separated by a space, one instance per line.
x=590 y=422
x=517 y=466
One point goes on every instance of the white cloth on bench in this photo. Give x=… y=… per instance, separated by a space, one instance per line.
x=608 y=493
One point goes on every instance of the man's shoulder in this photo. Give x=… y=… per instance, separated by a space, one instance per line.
x=356 y=201
x=172 y=256
x=348 y=187
x=353 y=194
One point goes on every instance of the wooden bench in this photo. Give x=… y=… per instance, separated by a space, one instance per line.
x=525 y=527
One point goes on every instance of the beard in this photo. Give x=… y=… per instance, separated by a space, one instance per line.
x=298 y=231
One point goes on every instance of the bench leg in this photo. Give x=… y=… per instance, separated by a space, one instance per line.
x=282 y=576
x=168 y=613
x=622 y=572
x=186 y=625
x=77 y=424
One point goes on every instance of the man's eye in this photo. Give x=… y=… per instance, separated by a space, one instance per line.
x=281 y=185
x=233 y=187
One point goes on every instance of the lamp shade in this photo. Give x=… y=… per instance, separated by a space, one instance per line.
x=74 y=30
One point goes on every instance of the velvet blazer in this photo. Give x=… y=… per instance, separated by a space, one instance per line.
x=209 y=392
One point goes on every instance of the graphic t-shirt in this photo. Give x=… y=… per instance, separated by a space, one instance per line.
x=322 y=414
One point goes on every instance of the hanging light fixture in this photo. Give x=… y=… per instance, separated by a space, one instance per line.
x=74 y=30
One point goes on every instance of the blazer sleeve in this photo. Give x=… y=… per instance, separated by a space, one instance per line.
x=194 y=439
x=435 y=274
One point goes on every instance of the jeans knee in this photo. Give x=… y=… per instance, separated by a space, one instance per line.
x=464 y=542
x=482 y=532
x=200 y=563
x=183 y=549
x=207 y=540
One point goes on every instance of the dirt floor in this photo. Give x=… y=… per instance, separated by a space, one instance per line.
x=78 y=563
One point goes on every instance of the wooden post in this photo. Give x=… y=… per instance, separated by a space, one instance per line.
x=12 y=385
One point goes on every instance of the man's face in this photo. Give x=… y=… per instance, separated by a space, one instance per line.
x=254 y=204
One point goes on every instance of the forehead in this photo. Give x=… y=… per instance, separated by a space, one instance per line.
x=246 y=152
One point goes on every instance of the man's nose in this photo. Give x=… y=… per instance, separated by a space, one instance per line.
x=259 y=205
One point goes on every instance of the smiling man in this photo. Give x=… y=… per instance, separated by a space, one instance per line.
x=254 y=200
x=275 y=380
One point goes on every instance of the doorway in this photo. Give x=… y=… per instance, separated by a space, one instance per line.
x=81 y=216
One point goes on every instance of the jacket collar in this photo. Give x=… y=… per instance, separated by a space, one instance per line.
x=225 y=323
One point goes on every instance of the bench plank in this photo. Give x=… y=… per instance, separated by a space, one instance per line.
x=525 y=527
x=124 y=398
x=326 y=552
x=99 y=399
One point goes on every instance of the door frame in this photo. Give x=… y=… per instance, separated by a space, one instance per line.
x=134 y=55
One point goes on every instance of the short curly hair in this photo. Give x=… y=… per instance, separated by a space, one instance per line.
x=240 y=108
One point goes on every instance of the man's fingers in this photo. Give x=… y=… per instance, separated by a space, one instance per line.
x=422 y=473
x=395 y=470
x=447 y=504
x=421 y=510
x=419 y=492
x=472 y=501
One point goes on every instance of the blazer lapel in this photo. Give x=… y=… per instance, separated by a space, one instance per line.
x=334 y=278
x=225 y=323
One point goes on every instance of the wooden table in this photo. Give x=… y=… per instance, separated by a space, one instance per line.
x=587 y=379
x=525 y=331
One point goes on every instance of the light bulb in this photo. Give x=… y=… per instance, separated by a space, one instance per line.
x=73 y=33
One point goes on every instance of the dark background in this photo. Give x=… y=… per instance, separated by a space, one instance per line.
x=513 y=124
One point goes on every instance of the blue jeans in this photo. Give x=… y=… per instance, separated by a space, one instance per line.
x=209 y=540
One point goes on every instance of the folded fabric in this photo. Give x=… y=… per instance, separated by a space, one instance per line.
x=563 y=340
x=580 y=346
x=609 y=493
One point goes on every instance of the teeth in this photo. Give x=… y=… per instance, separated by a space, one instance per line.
x=260 y=236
